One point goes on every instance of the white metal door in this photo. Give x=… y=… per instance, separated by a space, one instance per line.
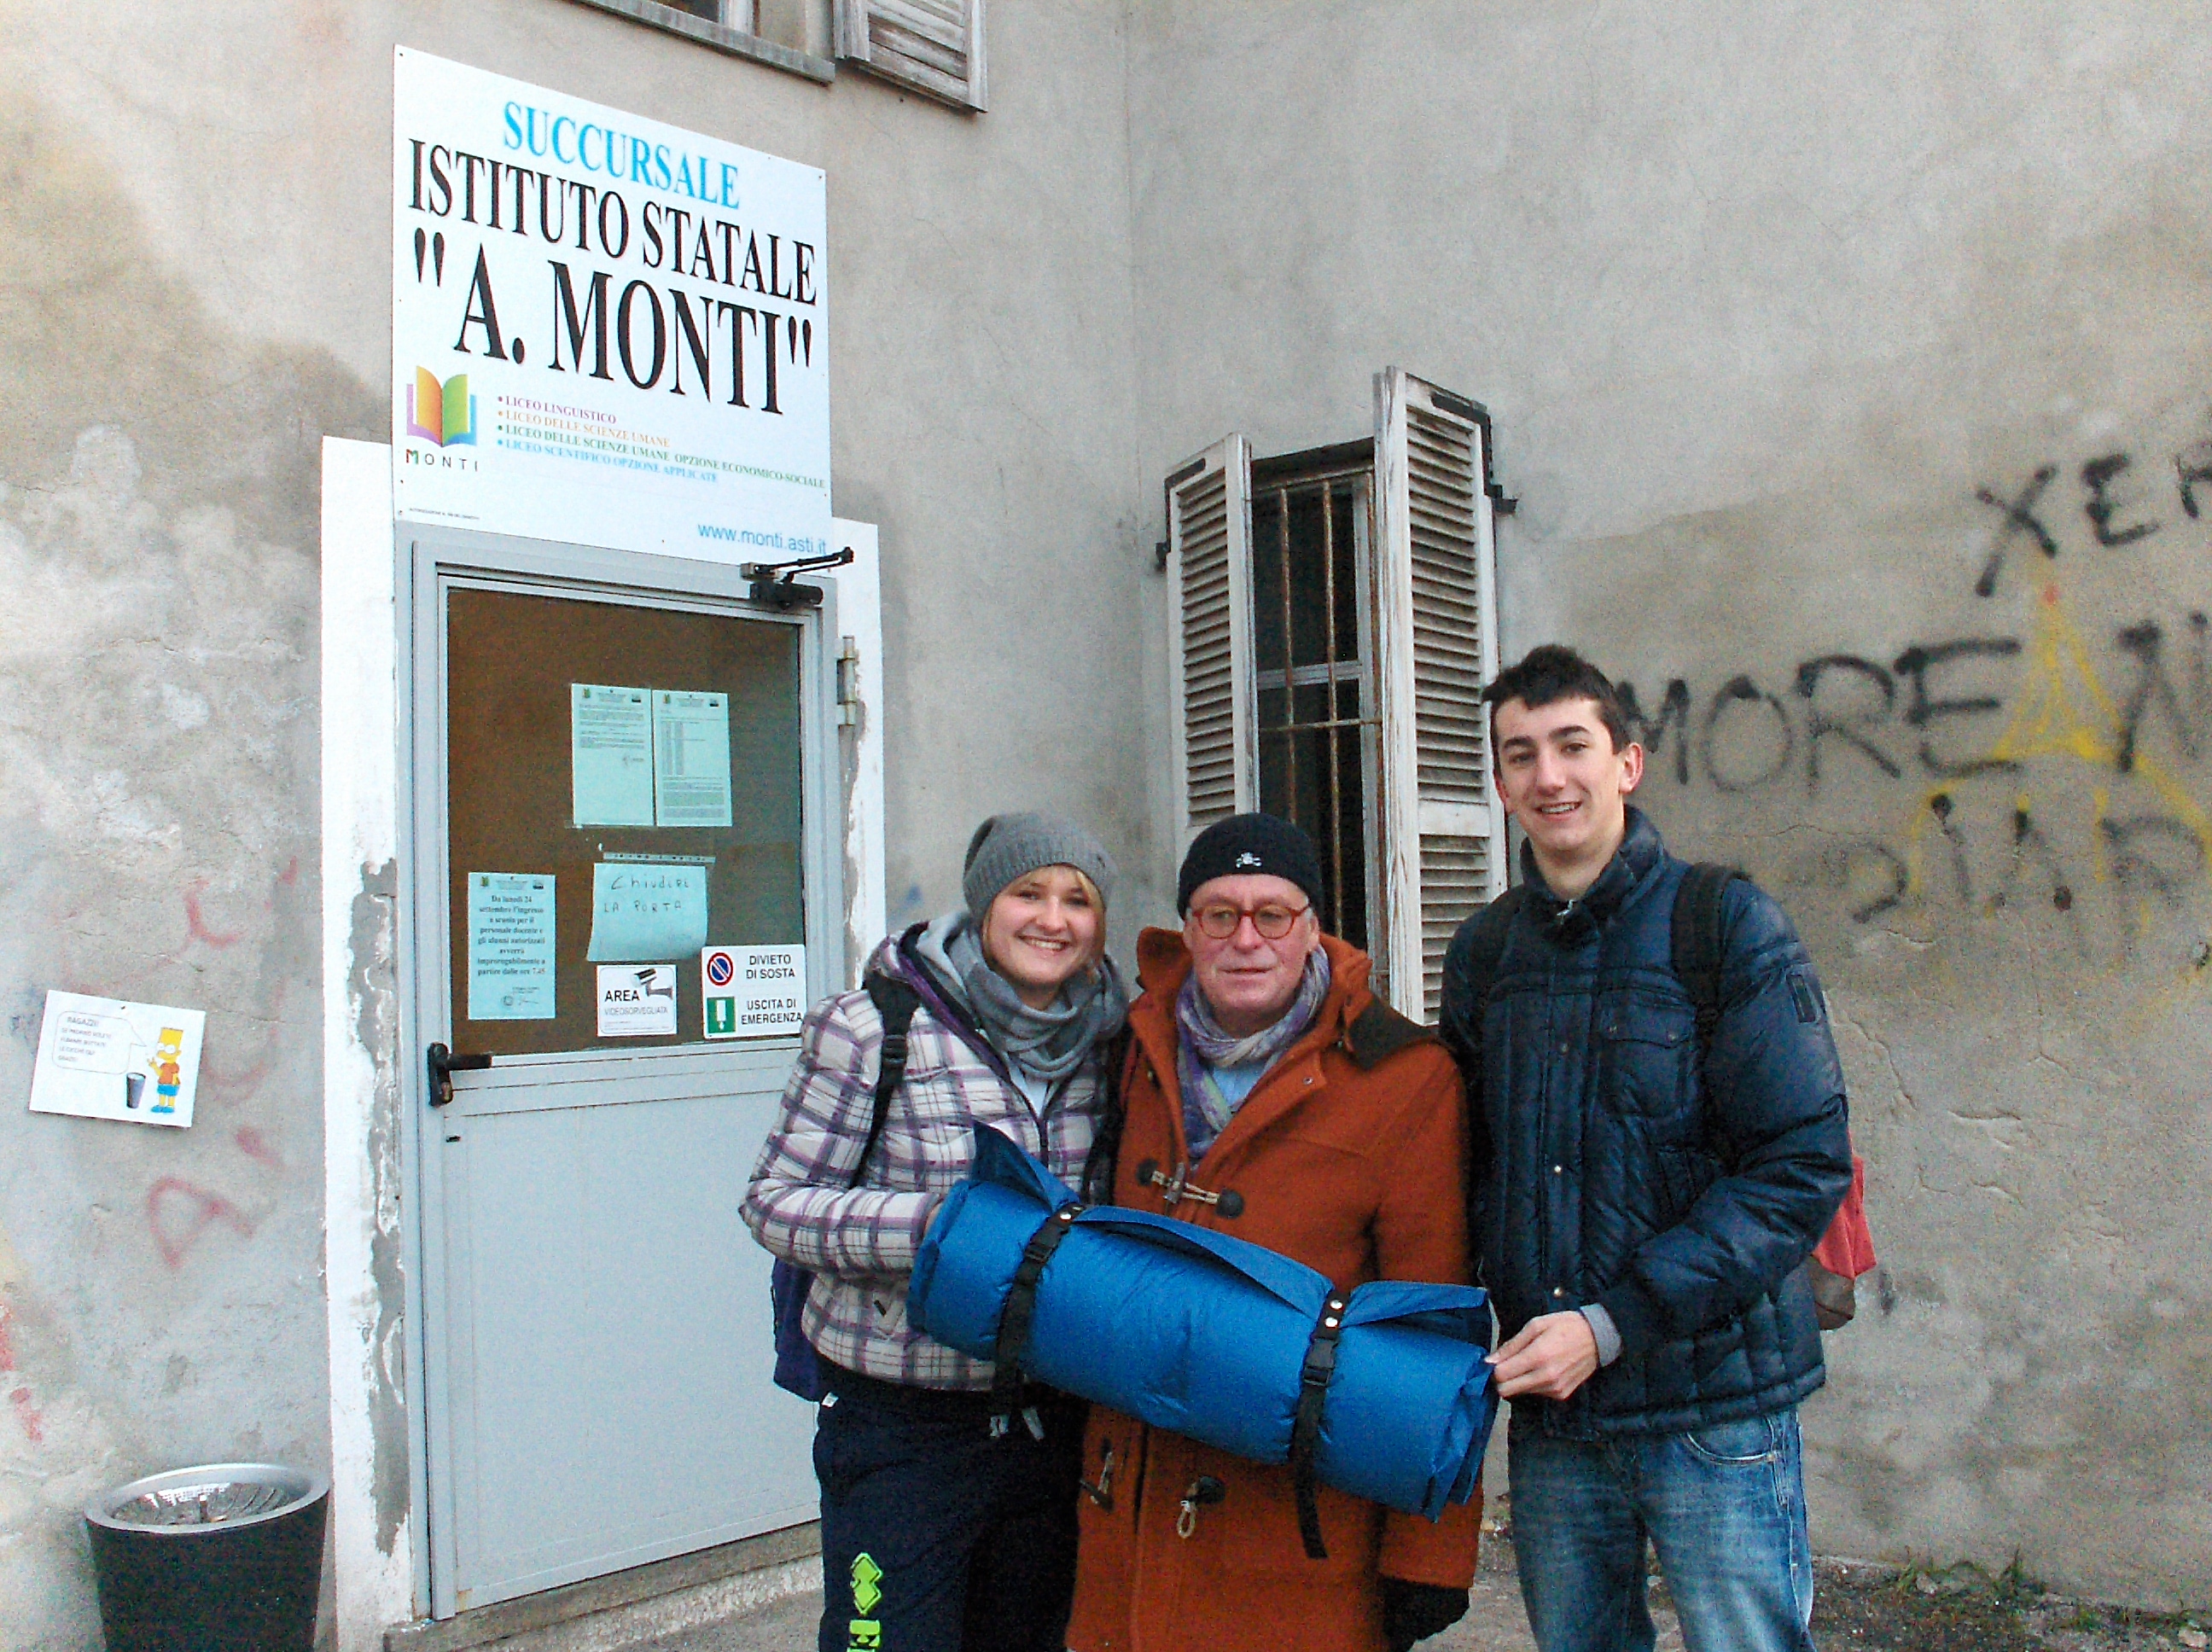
x=596 y=1341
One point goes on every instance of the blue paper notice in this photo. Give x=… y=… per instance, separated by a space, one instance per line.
x=611 y=755
x=646 y=912
x=511 y=946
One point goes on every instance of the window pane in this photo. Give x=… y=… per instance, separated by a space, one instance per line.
x=511 y=659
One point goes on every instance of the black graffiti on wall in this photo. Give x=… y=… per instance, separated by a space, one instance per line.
x=2105 y=502
x=2034 y=781
x=1917 y=714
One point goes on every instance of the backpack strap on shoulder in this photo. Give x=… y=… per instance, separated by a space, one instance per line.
x=1117 y=1061
x=1695 y=947
x=896 y=1002
x=1486 y=947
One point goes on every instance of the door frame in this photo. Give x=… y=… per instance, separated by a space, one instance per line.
x=423 y=556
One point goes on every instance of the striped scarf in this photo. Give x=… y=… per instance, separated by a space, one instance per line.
x=1202 y=1044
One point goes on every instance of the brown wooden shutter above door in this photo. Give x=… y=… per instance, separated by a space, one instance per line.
x=1436 y=560
x=931 y=47
x=1210 y=707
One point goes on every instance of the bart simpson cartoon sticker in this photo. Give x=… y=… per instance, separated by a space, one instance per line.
x=103 y=1058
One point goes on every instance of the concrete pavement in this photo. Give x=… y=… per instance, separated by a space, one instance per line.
x=1495 y=1621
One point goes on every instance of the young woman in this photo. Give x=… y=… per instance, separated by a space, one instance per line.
x=939 y=1535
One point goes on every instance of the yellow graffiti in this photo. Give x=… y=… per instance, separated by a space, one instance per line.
x=2065 y=712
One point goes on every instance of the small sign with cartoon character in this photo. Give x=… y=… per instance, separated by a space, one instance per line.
x=102 y=1058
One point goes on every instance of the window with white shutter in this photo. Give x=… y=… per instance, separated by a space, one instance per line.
x=930 y=46
x=1332 y=625
x=1209 y=568
x=1444 y=826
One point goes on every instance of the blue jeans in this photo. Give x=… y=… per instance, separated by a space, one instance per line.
x=1724 y=1506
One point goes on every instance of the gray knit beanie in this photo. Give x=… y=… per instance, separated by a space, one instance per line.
x=1007 y=847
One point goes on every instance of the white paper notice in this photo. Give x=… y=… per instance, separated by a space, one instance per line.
x=753 y=992
x=511 y=929
x=644 y=909
x=637 y=1001
x=692 y=758
x=611 y=755
x=101 y=1058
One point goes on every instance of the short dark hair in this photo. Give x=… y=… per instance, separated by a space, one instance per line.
x=1554 y=672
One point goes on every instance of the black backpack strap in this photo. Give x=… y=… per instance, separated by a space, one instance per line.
x=1116 y=1061
x=896 y=1002
x=1695 y=946
x=1486 y=947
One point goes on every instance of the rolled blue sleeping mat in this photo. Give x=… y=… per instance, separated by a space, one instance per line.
x=1206 y=1335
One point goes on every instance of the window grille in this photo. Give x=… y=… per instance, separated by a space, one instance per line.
x=1332 y=624
x=1312 y=626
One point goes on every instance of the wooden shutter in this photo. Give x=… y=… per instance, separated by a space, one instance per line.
x=932 y=46
x=1444 y=826
x=1212 y=711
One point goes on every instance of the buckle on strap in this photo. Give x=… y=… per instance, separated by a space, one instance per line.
x=1020 y=1309
x=1320 y=1365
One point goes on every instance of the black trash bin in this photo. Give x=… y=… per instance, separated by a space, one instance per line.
x=226 y=1557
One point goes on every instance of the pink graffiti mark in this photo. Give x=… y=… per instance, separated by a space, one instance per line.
x=197 y=924
x=215 y=1081
x=255 y=1146
x=288 y=876
x=34 y=1424
x=203 y=1210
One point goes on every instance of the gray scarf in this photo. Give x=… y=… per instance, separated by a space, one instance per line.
x=1202 y=1043
x=1047 y=1044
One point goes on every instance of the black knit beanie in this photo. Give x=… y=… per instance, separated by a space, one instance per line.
x=1247 y=844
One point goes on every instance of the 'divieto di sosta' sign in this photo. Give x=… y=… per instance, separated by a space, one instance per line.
x=605 y=330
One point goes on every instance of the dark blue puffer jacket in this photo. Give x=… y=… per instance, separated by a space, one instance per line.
x=1606 y=1169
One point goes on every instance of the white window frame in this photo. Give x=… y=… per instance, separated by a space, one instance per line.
x=737 y=38
x=914 y=44
x=1439 y=821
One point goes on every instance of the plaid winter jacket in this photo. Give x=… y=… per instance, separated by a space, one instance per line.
x=860 y=1241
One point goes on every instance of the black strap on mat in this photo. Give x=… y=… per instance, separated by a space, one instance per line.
x=1020 y=1309
x=1305 y=1431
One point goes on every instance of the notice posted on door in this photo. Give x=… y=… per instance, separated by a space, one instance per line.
x=754 y=991
x=637 y=1000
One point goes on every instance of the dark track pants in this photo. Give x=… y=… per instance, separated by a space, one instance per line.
x=935 y=1536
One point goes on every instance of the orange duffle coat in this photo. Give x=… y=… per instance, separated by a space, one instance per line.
x=1348 y=1155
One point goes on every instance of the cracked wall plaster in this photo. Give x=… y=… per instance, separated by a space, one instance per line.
x=157 y=841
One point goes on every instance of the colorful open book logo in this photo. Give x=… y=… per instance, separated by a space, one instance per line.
x=444 y=415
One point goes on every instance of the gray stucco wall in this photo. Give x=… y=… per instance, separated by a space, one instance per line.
x=1763 y=300
x=1761 y=303
x=194 y=290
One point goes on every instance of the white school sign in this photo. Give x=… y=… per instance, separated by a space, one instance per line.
x=605 y=330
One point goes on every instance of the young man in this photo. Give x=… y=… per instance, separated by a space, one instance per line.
x=1269 y=1095
x=1639 y=1206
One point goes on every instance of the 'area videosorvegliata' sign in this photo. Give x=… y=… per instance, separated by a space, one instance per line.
x=605 y=330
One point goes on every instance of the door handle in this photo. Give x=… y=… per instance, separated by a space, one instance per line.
x=444 y=1064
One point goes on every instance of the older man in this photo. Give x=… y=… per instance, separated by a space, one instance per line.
x=1270 y=1095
